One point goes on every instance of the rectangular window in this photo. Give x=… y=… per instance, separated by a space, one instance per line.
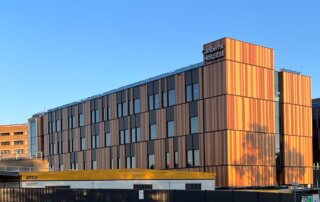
x=20 y=142
x=153 y=131
x=93 y=142
x=192 y=92
x=189 y=93
x=193 y=158
x=18 y=133
x=108 y=139
x=195 y=91
x=126 y=136
x=93 y=117
x=137 y=106
x=151 y=106
x=18 y=151
x=194 y=125
x=108 y=112
x=58 y=125
x=119 y=163
x=133 y=162
x=133 y=135
x=164 y=99
x=196 y=157
x=124 y=109
x=167 y=159
x=4 y=134
x=119 y=110
x=128 y=162
x=81 y=121
x=172 y=95
x=94 y=165
x=176 y=159
x=138 y=134
x=70 y=122
x=112 y=164
x=97 y=141
x=83 y=143
x=121 y=136
x=156 y=101
x=5 y=143
x=151 y=162
x=189 y=158
x=170 y=129
x=97 y=116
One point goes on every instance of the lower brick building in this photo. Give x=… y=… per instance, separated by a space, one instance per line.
x=232 y=114
x=13 y=141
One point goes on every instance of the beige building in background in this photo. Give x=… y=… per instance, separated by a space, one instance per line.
x=13 y=141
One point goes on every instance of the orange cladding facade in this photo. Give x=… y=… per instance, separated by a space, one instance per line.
x=246 y=85
x=232 y=114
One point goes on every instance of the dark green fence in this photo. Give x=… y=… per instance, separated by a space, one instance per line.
x=68 y=195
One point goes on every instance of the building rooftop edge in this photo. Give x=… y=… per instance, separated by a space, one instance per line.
x=177 y=71
x=17 y=124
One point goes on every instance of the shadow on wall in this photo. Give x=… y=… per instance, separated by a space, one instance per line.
x=256 y=165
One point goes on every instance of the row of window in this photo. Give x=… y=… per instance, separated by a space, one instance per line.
x=14 y=133
x=7 y=143
x=193 y=160
x=16 y=151
x=124 y=136
x=192 y=93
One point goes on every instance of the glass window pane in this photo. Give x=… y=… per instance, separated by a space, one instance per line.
x=121 y=137
x=83 y=143
x=128 y=162
x=172 y=95
x=138 y=135
x=194 y=125
x=195 y=91
x=97 y=115
x=133 y=161
x=189 y=158
x=151 y=102
x=119 y=110
x=108 y=140
x=133 y=135
x=124 y=109
x=151 y=161
x=97 y=141
x=167 y=160
x=153 y=131
x=81 y=120
x=93 y=117
x=137 y=106
x=93 y=142
x=164 y=98
x=196 y=157
x=176 y=159
x=127 y=137
x=156 y=101
x=189 y=93
x=170 y=128
x=119 y=163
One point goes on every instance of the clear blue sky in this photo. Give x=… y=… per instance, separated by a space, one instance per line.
x=56 y=52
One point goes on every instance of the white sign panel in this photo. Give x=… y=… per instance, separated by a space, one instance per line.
x=141 y=195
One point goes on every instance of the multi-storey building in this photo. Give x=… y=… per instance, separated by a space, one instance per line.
x=13 y=141
x=231 y=114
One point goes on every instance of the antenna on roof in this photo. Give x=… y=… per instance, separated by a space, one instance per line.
x=301 y=69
